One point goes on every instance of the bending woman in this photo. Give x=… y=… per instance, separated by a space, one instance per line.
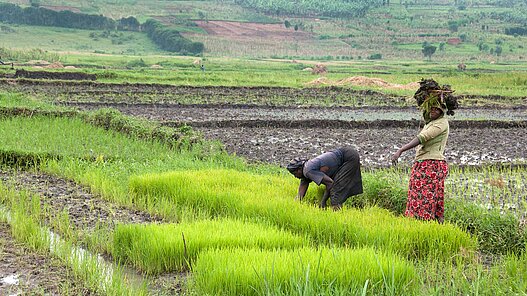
x=427 y=179
x=338 y=170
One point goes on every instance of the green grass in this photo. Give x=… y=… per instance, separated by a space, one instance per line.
x=75 y=40
x=395 y=31
x=324 y=271
x=455 y=276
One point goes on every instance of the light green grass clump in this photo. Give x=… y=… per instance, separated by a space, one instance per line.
x=173 y=247
x=306 y=271
x=229 y=193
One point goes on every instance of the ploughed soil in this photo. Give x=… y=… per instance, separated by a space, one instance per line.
x=250 y=31
x=94 y=92
x=85 y=209
x=277 y=134
x=26 y=272
x=249 y=122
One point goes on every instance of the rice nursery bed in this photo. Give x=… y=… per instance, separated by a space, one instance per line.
x=144 y=181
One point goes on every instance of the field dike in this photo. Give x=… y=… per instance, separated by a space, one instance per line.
x=229 y=193
x=132 y=93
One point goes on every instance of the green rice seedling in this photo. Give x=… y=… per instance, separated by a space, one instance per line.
x=497 y=233
x=514 y=273
x=157 y=248
x=228 y=193
x=306 y=271
x=505 y=276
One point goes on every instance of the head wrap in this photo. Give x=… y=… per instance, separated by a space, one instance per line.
x=431 y=94
x=296 y=164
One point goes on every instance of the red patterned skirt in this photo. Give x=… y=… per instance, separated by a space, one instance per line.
x=426 y=191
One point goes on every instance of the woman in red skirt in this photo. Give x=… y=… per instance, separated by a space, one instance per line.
x=427 y=179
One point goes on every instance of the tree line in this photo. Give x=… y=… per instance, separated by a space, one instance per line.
x=38 y=16
x=166 y=38
x=331 y=8
x=170 y=39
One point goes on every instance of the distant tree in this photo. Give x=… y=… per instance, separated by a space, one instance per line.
x=35 y=3
x=296 y=27
x=428 y=51
x=482 y=46
x=287 y=24
x=498 y=50
x=453 y=26
x=128 y=24
x=441 y=46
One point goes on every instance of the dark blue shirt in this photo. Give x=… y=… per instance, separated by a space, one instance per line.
x=332 y=159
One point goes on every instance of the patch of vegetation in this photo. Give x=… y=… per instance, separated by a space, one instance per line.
x=171 y=40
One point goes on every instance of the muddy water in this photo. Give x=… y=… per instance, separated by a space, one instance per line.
x=375 y=146
x=25 y=272
x=200 y=113
x=85 y=211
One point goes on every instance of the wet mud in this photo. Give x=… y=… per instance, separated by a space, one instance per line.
x=85 y=209
x=26 y=272
x=54 y=75
x=276 y=134
x=129 y=93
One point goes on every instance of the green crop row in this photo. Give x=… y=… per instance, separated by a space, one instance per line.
x=174 y=247
x=229 y=193
x=306 y=271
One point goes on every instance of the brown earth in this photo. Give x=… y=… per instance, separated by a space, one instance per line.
x=88 y=91
x=363 y=81
x=85 y=209
x=275 y=135
x=250 y=31
x=54 y=75
x=61 y=8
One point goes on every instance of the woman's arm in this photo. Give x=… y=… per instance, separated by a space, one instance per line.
x=302 y=189
x=329 y=183
x=410 y=145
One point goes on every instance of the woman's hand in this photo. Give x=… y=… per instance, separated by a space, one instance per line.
x=395 y=157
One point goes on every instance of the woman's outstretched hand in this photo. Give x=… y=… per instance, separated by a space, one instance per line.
x=395 y=157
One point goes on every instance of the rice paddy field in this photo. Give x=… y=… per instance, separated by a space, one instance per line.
x=144 y=182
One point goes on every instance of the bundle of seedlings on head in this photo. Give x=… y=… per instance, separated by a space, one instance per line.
x=431 y=94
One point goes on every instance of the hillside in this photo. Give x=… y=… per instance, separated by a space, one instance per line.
x=331 y=30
